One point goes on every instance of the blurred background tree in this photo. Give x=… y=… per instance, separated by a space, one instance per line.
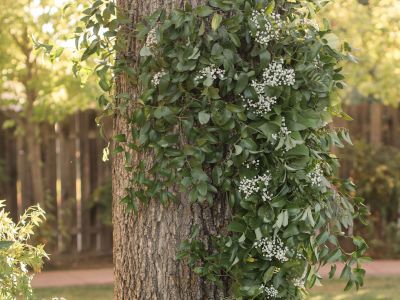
x=32 y=88
x=373 y=29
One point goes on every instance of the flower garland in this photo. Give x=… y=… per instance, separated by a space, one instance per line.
x=249 y=86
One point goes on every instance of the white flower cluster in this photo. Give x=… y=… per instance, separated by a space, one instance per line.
x=210 y=72
x=263 y=104
x=270 y=291
x=251 y=186
x=284 y=128
x=298 y=282
x=265 y=180
x=151 y=40
x=272 y=248
x=316 y=176
x=254 y=162
x=157 y=77
x=283 y=131
x=268 y=29
x=277 y=75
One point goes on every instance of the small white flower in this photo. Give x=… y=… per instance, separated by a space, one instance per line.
x=210 y=72
x=272 y=249
x=23 y=268
x=254 y=162
x=268 y=28
x=151 y=40
x=283 y=132
x=259 y=183
x=263 y=104
x=298 y=282
x=10 y=261
x=249 y=186
x=270 y=291
x=316 y=175
x=157 y=77
x=277 y=75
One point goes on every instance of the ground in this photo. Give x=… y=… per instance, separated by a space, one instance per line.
x=380 y=288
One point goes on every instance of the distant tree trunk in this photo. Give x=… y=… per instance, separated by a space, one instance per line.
x=145 y=245
x=376 y=124
x=35 y=161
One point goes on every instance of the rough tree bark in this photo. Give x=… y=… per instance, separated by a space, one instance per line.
x=145 y=245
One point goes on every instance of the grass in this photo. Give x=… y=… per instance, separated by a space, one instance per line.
x=98 y=292
x=375 y=288
x=382 y=288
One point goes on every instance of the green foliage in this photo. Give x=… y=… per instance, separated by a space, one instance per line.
x=27 y=77
x=234 y=106
x=373 y=27
x=97 y=38
x=376 y=172
x=16 y=254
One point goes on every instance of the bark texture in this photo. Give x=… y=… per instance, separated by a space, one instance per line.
x=145 y=245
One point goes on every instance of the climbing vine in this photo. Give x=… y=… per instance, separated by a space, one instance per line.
x=236 y=100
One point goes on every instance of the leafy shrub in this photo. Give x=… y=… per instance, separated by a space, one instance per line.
x=17 y=255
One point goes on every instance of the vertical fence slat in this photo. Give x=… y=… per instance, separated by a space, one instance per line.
x=25 y=193
x=67 y=157
x=85 y=178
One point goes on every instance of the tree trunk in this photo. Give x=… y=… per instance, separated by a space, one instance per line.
x=376 y=124
x=35 y=161
x=145 y=245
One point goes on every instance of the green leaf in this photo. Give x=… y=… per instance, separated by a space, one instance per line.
x=216 y=21
x=202 y=188
x=121 y=138
x=268 y=274
x=6 y=244
x=145 y=51
x=334 y=256
x=237 y=226
x=204 y=117
x=105 y=86
x=270 y=8
x=242 y=82
x=332 y=271
x=322 y=238
x=203 y=11
x=238 y=150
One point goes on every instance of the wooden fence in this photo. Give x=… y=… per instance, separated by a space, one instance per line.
x=73 y=171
